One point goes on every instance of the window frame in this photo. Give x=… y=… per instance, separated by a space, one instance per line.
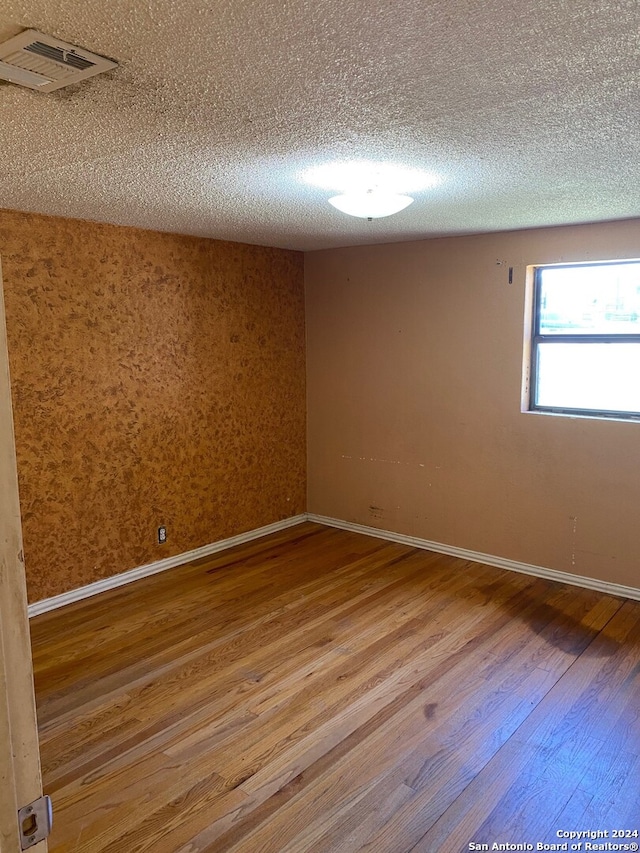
x=537 y=338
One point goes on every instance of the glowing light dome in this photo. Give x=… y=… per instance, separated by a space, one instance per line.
x=368 y=189
x=373 y=204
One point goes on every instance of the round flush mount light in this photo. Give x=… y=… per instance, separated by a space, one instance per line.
x=370 y=190
x=373 y=204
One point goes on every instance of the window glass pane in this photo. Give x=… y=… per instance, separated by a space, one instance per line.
x=587 y=300
x=602 y=377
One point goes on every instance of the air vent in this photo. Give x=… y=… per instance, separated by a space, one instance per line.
x=65 y=57
x=42 y=62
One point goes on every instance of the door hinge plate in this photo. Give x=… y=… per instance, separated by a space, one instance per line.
x=35 y=821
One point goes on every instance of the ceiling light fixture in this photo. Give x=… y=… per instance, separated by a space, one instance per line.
x=370 y=190
x=373 y=204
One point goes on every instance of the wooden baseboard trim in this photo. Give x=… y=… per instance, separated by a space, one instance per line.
x=123 y=578
x=477 y=557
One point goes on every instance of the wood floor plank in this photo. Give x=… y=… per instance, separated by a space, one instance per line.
x=480 y=717
x=190 y=614
x=319 y=691
x=527 y=785
x=216 y=678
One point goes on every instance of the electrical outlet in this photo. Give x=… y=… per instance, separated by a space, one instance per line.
x=162 y=535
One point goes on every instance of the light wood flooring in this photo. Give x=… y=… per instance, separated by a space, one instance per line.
x=319 y=690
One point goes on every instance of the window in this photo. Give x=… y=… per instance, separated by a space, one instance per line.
x=585 y=349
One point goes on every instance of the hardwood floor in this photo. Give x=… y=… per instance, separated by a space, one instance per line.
x=319 y=690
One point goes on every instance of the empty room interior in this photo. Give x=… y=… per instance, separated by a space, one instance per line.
x=320 y=426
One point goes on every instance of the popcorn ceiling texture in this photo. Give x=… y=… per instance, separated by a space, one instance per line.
x=157 y=379
x=528 y=112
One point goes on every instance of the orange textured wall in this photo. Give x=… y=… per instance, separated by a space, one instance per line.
x=414 y=361
x=157 y=379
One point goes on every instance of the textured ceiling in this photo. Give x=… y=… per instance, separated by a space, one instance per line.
x=528 y=111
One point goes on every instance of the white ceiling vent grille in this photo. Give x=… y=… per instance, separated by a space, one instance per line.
x=42 y=62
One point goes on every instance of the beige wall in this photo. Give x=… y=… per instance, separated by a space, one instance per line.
x=414 y=373
x=157 y=379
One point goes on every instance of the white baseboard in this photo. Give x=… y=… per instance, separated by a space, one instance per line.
x=159 y=566
x=477 y=557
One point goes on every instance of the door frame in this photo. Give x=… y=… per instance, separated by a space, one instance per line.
x=20 y=774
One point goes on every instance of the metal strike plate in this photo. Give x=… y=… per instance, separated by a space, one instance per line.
x=35 y=821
